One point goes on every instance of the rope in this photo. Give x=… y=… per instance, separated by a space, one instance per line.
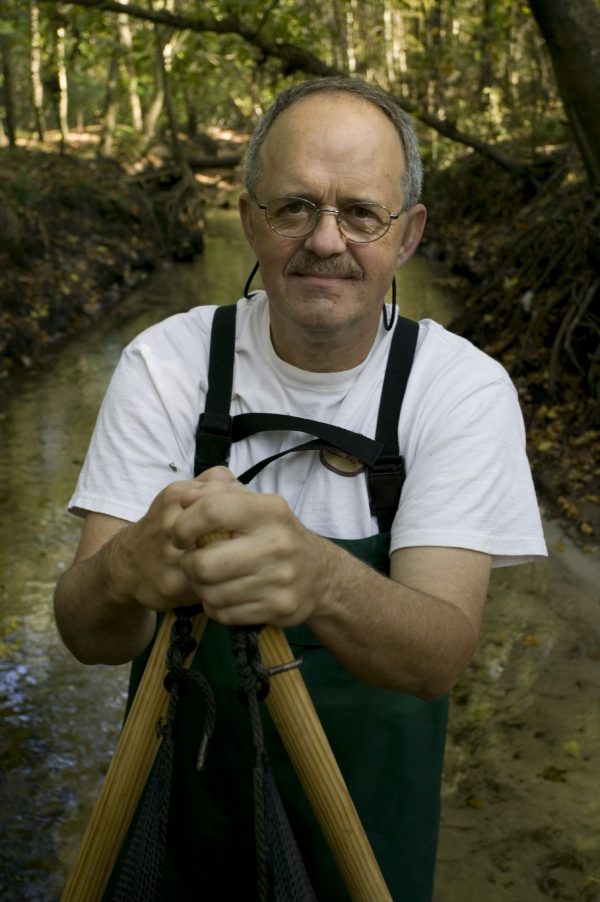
x=141 y=872
x=281 y=873
x=253 y=688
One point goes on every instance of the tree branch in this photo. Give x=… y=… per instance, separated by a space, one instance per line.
x=296 y=58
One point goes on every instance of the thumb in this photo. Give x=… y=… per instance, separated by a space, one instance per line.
x=215 y=474
x=214 y=480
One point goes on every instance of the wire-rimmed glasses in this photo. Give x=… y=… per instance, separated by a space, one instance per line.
x=296 y=217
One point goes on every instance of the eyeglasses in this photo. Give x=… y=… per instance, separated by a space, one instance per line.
x=296 y=217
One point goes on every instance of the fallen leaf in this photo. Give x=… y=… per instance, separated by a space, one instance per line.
x=571 y=747
x=545 y=445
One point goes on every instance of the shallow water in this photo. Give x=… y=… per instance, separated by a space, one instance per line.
x=60 y=720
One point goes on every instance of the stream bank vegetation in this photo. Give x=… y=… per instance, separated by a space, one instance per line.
x=121 y=121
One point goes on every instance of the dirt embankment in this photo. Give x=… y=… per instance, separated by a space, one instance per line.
x=77 y=235
x=523 y=259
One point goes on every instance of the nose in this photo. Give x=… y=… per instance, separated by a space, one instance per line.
x=326 y=239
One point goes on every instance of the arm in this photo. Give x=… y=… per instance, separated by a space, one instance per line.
x=105 y=604
x=413 y=633
x=95 y=623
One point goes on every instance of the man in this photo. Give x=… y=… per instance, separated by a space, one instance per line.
x=331 y=210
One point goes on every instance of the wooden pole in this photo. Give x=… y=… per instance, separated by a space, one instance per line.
x=298 y=724
x=126 y=776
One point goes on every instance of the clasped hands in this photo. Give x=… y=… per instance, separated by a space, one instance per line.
x=270 y=568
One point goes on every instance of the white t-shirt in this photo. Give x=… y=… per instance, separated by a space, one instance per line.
x=461 y=432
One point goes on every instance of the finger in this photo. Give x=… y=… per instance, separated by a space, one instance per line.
x=235 y=615
x=215 y=474
x=248 y=613
x=217 y=508
x=198 y=489
x=266 y=595
x=217 y=558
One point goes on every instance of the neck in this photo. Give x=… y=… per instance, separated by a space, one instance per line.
x=323 y=351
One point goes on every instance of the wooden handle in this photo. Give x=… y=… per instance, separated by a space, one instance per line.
x=296 y=719
x=126 y=776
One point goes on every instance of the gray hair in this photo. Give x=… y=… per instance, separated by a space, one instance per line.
x=413 y=176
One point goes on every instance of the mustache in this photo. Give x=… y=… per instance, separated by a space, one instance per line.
x=342 y=267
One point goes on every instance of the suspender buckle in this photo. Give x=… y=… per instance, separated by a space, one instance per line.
x=385 y=480
x=213 y=441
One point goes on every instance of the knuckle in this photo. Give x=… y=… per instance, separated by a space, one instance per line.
x=287 y=604
x=171 y=492
x=278 y=508
x=168 y=584
x=212 y=506
x=200 y=567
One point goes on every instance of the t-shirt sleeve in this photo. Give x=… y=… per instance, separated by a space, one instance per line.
x=144 y=435
x=468 y=481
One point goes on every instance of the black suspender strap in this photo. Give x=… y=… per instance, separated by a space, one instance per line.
x=217 y=429
x=213 y=435
x=353 y=443
x=386 y=477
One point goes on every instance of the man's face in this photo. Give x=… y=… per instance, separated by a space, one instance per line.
x=332 y=149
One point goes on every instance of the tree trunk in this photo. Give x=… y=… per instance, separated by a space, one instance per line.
x=158 y=98
x=571 y=30
x=486 y=72
x=37 y=88
x=10 y=122
x=339 y=38
x=62 y=97
x=134 y=97
x=111 y=108
x=164 y=61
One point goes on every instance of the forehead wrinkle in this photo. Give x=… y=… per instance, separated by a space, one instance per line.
x=331 y=189
x=309 y=152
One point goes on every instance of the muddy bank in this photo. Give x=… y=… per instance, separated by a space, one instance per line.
x=77 y=236
x=523 y=261
x=521 y=797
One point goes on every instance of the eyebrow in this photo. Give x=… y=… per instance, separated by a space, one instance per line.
x=309 y=195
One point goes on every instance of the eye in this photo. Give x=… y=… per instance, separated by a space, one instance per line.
x=291 y=207
x=357 y=211
x=365 y=214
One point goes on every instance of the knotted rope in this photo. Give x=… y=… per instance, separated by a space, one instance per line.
x=281 y=873
x=140 y=874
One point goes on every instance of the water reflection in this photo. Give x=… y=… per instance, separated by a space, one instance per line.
x=60 y=720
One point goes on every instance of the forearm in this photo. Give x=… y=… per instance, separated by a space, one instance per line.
x=414 y=632
x=389 y=634
x=98 y=623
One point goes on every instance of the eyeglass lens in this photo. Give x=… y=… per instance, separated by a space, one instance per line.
x=294 y=217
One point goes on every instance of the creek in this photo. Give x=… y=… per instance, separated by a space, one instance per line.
x=60 y=720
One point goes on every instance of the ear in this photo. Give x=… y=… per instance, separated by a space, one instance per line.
x=414 y=225
x=247 y=211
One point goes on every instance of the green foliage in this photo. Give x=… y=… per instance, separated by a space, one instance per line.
x=478 y=63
